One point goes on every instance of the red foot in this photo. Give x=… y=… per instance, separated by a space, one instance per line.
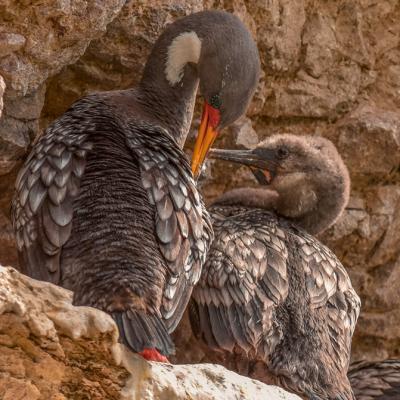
x=153 y=355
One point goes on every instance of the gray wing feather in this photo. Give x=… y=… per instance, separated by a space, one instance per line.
x=42 y=205
x=243 y=280
x=329 y=286
x=182 y=223
x=375 y=380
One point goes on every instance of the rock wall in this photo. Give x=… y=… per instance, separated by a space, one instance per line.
x=50 y=350
x=330 y=68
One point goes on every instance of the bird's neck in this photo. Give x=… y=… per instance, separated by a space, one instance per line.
x=170 y=80
x=313 y=203
x=249 y=197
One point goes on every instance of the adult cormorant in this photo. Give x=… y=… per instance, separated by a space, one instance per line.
x=106 y=204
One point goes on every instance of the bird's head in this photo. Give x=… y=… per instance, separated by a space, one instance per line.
x=282 y=159
x=215 y=50
x=228 y=70
x=306 y=172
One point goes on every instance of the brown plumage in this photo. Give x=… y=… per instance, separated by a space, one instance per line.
x=269 y=290
x=106 y=204
x=378 y=380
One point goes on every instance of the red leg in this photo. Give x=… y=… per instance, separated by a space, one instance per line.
x=153 y=355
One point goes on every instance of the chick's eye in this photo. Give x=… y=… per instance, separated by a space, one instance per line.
x=282 y=152
x=215 y=101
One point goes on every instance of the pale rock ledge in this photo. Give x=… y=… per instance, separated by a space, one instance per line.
x=52 y=350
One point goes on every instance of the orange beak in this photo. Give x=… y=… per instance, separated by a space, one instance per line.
x=205 y=138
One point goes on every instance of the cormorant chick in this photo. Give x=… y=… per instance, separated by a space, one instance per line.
x=269 y=290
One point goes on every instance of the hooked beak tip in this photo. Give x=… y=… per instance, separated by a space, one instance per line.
x=205 y=137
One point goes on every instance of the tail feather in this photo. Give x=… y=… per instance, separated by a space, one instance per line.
x=38 y=265
x=140 y=331
x=221 y=331
x=165 y=339
x=209 y=323
x=194 y=318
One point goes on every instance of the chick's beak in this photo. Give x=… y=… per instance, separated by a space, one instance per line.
x=206 y=136
x=263 y=167
x=245 y=157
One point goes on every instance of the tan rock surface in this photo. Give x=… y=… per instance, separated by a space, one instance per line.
x=2 y=89
x=329 y=68
x=50 y=350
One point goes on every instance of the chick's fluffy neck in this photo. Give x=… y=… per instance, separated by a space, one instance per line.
x=312 y=204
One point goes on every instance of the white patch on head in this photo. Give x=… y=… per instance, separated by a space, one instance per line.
x=184 y=48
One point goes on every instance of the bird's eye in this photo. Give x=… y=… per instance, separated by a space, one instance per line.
x=282 y=152
x=215 y=101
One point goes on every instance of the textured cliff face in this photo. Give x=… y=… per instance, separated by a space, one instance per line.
x=52 y=350
x=329 y=68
